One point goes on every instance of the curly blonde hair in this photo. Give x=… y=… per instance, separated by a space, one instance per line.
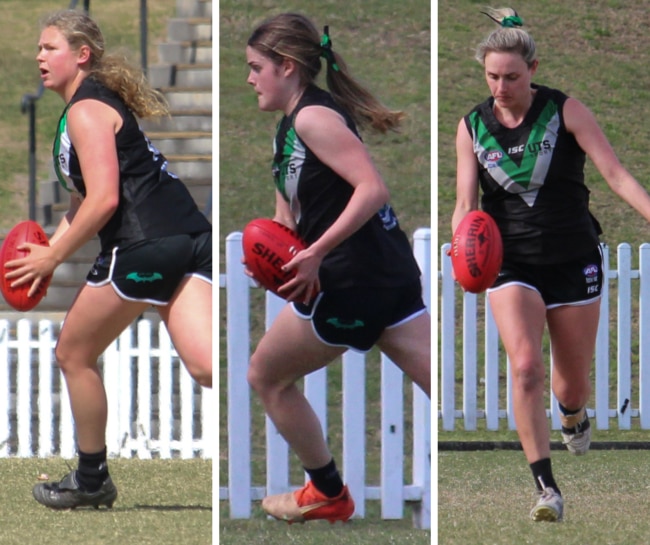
x=114 y=71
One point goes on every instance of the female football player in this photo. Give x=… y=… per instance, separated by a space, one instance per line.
x=357 y=283
x=526 y=146
x=121 y=190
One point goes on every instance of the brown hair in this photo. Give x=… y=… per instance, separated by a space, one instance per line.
x=294 y=36
x=114 y=71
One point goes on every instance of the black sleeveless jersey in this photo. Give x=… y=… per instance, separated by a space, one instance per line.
x=153 y=202
x=379 y=253
x=532 y=178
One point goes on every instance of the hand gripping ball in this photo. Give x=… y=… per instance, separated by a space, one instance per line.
x=25 y=231
x=268 y=246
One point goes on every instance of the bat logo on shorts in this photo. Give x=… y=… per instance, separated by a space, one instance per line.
x=352 y=324
x=144 y=277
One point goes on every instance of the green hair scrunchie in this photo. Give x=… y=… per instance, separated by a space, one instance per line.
x=511 y=21
x=326 y=49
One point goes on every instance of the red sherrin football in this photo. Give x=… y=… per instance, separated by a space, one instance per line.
x=477 y=252
x=268 y=245
x=25 y=231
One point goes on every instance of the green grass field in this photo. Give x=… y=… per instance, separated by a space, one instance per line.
x=387 y=46
x=485 y=498
x=160 y=502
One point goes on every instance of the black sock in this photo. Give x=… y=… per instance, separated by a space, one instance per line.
x=327 y=479
x=568 y=412
x=92 y=470
x=543 y=475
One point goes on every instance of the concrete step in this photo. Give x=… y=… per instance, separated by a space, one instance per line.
x=189 y=28
x=187 y=51
x=188 y=98
x=180 y=143
x=179 y=120
x=188 y=167
x=181 y=74
x=194 y=8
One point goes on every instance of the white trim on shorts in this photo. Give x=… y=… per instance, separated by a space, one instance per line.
x=310 y=318
x=581 y=303
x=408 y=318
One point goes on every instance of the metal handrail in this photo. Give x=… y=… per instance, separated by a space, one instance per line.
x=28 y=102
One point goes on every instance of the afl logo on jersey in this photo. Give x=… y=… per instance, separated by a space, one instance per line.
x=492 y=158
x=590 y=271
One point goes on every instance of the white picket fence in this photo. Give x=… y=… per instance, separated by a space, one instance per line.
x=392 y=490
x=154 y=406
x=621 y=325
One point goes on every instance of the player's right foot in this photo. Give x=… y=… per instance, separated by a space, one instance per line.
x=67 y=494
x=576 y=432
x=549 y=507
x=308 y=503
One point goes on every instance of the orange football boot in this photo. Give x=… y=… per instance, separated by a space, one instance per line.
x=308 y=503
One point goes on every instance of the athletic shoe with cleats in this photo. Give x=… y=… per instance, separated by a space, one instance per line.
x=549 y=508
x=67 y=495
x=576 y=432
x=308 y=503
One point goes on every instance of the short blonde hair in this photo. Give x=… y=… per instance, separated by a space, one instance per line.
x=507 y=39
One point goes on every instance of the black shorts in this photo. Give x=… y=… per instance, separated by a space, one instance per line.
x=356 y=317
x=573 y=283
x=151 y=270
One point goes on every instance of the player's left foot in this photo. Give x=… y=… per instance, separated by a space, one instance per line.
x=67 y=494
x=308 y=503
x=576 y=432
x=549 y=507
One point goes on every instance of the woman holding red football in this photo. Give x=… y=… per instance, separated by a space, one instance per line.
x=526 y=146
x=120 y=189
x=347 y=292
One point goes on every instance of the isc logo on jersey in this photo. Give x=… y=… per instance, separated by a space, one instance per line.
x=492 y=158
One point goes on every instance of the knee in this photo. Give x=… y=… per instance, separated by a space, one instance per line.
x=64 y=357
x=255 y=377
x=573 y=396
x=259 y=380
x=529 y=375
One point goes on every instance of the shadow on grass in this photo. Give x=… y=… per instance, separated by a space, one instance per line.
x=140 y=507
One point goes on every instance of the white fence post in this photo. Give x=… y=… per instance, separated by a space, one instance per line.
x=624 y=390
x=45 y=401
x=421 y=403
x=354 y=428
x=5 y=391
x=448 y=342
x=644 y=340
x=491 y=370
x=143 y=421
x=238 y=353
x=165 y=394
x=602 y=348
